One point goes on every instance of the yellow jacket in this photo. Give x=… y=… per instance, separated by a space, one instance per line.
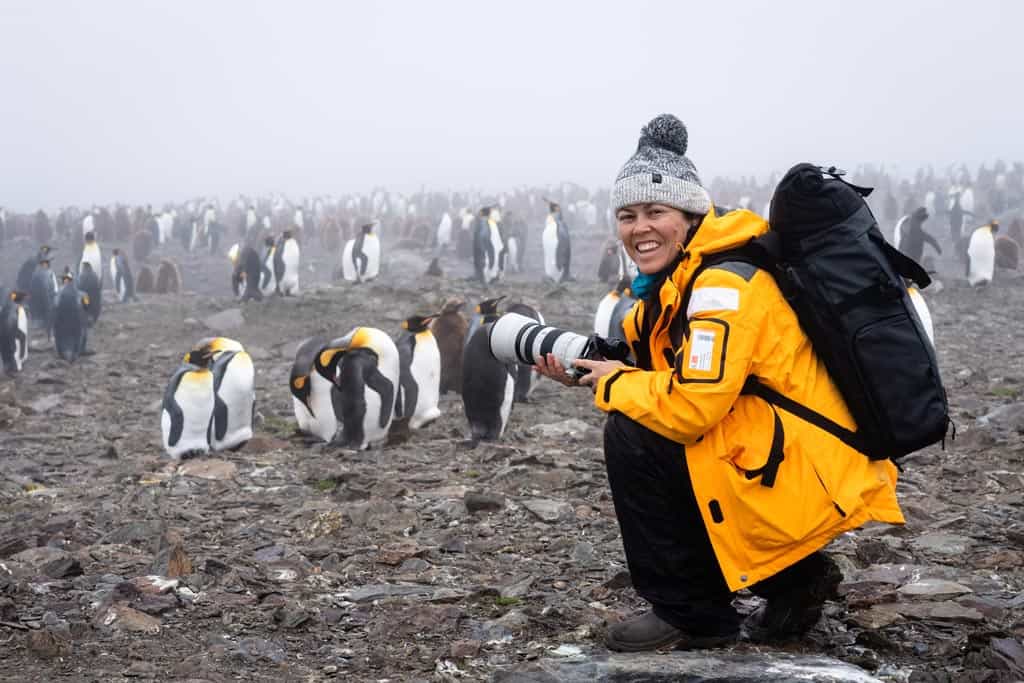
x=740 y=325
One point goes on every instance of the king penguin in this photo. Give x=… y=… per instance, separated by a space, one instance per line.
x=89 y=284
x=897 y=232
x=981 y=254
x=24 y=280
x=488 y=308
x=419 y=386
x=286 y=264
x=315 y=399
x=449 y=329
x=557 y=245
x=444 y=232
x=234 y=393
x=237 y=272
x=525 y=377
x=246 y=274
x=497 y=254
x=364 y=366
x=923 y=314
x=91 y=255
x=612 y=311
x=268 y=283
x=70 y=323
x=488 y=386
x=360 y=258
x=188 y=407
x=42 y=294
x=121 y=274
x=13 y=332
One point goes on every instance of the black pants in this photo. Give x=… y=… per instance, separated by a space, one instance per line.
x=667 y=547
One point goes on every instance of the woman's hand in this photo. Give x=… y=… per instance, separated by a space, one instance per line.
x=550 y=367
x=598 y=369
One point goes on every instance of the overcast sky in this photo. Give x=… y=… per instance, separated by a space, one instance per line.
x=150 y=101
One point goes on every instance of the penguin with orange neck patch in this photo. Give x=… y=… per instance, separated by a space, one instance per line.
x=981 y=254
x=13 y=332
x=364 y=366
x=188 y=407
x=234 y=394
x=315 y=399
x=419 y=372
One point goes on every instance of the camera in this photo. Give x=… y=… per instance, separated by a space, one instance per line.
x=515 y=338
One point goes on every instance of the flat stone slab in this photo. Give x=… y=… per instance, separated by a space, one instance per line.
x=933 y=588
x=379 y=591
x=693 y=667
x=230 y=319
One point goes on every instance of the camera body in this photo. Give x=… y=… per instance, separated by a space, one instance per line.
x=515 y=338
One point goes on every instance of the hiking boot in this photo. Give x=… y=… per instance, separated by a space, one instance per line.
x=650 y=632
x=793 y=614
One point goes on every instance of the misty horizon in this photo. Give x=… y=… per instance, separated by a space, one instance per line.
x=148 y=104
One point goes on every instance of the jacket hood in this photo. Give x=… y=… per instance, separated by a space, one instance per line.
x=728 y=231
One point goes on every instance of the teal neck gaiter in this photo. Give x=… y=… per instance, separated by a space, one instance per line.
x=645 y=286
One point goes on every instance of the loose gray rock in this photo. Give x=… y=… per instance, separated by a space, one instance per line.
x=942 y=543
x=231 y=319
x=1009 y=416
x=571 y=428
x=695 y=667
x=378 y=591
x=549 y=510
x=933 y=588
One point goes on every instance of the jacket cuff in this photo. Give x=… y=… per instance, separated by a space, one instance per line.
x=603 y=392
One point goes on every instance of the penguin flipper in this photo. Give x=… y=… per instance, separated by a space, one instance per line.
x=410 y=390
x=219 y=424
x=383 y=386
x=174 y=410
x=337 y=404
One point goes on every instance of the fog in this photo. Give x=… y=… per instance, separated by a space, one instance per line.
x=147 y=101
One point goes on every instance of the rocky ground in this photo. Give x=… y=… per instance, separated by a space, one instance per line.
x=428 y=560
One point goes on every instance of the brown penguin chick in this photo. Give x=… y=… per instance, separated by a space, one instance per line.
x=449 y=328
x=168 y=278
x=1007 y=252
x=145 y=282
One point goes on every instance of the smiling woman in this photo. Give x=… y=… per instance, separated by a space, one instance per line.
x=714 y=489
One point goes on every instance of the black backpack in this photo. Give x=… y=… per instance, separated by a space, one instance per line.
x=845 y=283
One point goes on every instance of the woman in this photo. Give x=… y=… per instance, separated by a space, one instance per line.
x=714 y=489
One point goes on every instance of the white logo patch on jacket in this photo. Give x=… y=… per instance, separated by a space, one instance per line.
x=713 y=299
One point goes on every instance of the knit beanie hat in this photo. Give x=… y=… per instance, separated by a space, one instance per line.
x=659 y=171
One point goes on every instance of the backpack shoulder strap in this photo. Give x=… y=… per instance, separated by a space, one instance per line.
x=754 y=387
x=760 y=252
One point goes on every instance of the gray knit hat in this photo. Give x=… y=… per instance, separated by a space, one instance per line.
x=659 y=172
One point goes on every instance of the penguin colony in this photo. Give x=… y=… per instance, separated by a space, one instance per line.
x=352 y=389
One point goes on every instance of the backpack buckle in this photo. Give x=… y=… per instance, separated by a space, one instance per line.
x=833 y=171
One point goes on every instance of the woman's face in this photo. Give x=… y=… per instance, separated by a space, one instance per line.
x=650 y=233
